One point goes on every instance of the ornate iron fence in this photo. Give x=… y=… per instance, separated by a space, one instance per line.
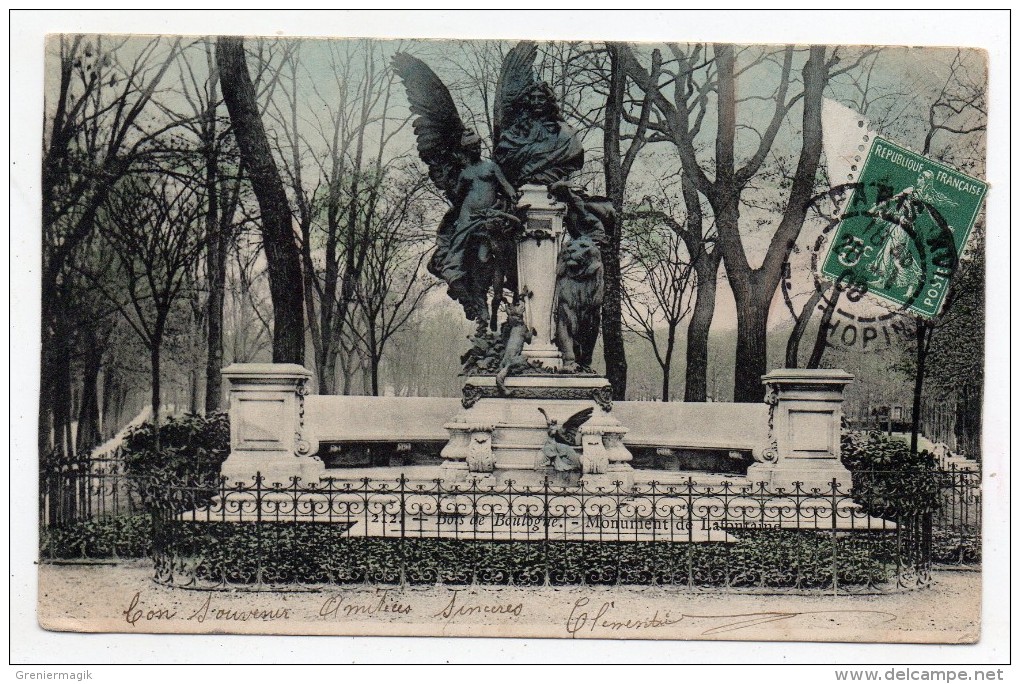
x=267 y=535
x=89 y=490
x=956 y=520
x=883 y=536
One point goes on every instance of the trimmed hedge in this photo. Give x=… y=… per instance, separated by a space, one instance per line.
x=180 y=470
x=955 y=548
x=317 y=553
x=128 y=536
x=888 y=480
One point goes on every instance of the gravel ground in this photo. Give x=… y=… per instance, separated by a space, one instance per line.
x=123 y=598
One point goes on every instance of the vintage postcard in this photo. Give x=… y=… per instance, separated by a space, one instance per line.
x=578 y=339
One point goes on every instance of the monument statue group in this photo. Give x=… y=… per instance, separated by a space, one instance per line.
x=519 y=239
x=521 y=250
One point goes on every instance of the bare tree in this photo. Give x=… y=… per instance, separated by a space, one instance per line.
x=691 y=94
x=153 y=228
x=680 y=118
x=336 y=153
x=658 y=287
x=617 y=163
x=221 y=187
x=93 y=135
x=283 y=255
x=248 y=329
x=393 y=282
x=699 y=239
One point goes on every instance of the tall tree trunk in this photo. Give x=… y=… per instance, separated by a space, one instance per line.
x=374 y=366
x=216 y=274
x=217 y=226
x=968 y=422
x=822 y=335
x=667 y=362
x=696 y=376
x=46 y=395
x=752 y=329
x=753 y=289
x=612 y=304
x=348 y=384
x=60 y=375
x=278 y=239
x=105 y=415
x=88 y=415
x=328 y=373
x=800 y=327
x=193 y=391
x=154 y=397
x=923 y=334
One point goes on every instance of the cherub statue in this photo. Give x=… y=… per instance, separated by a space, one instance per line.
x=560 y=448
x=475 y=249
x=516 y=334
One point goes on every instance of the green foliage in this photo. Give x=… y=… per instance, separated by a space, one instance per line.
x=956 y=548
x=180 y=469
x=187 y=446
x=127 y=536
x=888 y=480
x=956 y=348
x=318 y=553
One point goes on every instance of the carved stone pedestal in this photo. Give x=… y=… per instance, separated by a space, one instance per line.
x=499 y=437
x=805 y=412
x=267 y=430
x=537 y=253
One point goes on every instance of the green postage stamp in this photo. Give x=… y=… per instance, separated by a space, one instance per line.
x=904 y=228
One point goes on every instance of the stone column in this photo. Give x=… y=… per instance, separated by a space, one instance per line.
x=537 y=253
x=805 y=412
x=267 y=430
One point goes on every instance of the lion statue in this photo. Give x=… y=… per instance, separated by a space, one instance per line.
x=579 y=292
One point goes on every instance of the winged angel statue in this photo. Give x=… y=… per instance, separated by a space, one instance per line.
x=475 y=245
x=560 y=448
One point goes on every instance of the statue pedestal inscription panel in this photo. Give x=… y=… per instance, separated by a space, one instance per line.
x=805 y=412
x=267 y=431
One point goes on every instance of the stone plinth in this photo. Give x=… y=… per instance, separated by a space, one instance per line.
x=499 y=436
x=805 y=412
x=537 y=253
x=267 y=426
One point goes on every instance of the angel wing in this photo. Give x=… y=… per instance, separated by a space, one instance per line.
x=438 y=126
x=516 y=76
x=574 y=423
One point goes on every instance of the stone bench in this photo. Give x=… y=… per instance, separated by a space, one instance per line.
x=277 y=428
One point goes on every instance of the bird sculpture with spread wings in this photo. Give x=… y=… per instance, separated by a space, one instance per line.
x=560 y=448
x=475 y=245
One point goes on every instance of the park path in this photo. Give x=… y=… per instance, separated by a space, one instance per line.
x=123 y=598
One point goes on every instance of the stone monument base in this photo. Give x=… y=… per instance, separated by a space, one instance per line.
x=498 y=436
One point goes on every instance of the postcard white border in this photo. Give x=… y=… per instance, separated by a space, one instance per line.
x=920 y=27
